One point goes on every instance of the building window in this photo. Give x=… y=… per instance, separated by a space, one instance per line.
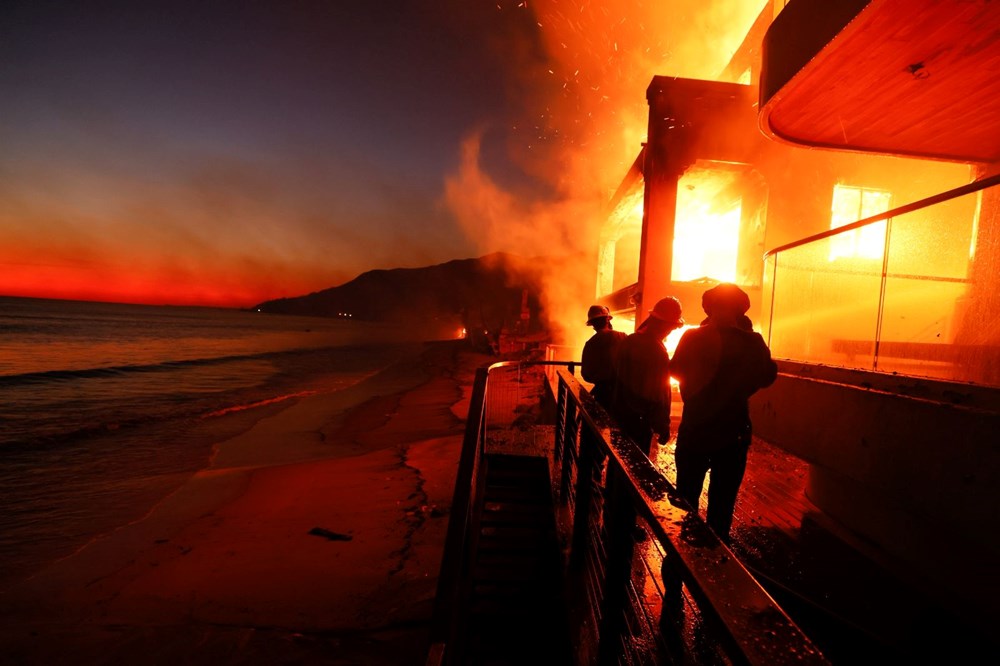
x=707 y=224
x=851 y=204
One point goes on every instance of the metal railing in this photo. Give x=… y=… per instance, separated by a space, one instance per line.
x=909 y=291
x=646 y=580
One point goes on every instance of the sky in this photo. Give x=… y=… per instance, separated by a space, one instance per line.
x=228 y=153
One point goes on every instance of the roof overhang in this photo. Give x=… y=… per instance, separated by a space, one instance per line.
x=917 y=78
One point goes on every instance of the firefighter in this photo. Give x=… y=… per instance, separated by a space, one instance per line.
x=641 y=401
x=718 y=365
x=597 y=364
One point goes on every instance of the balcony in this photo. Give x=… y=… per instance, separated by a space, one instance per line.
x=910 y=78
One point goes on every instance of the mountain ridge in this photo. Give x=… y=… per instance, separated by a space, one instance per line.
x=491 y=292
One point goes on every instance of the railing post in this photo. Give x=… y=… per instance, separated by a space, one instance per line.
x=880 y=315
x=571 y=452
x=587 y=470
x=562 y=407
x=671 y=621
x=619 y=520
x=453 y=582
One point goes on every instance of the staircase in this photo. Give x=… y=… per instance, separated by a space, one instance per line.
x=517 y=607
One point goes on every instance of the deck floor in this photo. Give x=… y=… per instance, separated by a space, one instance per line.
x=848 y=600
x=847 y=597
x=852 y=605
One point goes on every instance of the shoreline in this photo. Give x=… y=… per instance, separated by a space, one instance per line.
x=234 y=565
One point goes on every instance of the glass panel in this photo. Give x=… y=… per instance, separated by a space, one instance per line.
x=926 y=286
x=620 y=243
x=627 y=251
x=825 y=311
x=940 y=304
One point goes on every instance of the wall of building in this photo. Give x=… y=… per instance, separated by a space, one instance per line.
x=909 y=468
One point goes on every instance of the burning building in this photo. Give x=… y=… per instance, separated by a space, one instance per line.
x=843 y=171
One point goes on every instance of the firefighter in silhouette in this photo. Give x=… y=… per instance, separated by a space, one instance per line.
x=718 y=365
x=597 y=364
x=641 y=400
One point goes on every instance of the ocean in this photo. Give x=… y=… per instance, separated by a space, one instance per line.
x=103 y=406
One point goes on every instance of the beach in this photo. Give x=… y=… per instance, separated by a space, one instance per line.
x=313 y=536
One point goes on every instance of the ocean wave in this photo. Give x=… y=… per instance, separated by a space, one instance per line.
x=141 y=368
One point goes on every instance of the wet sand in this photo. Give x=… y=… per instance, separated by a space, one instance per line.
x=314 y=537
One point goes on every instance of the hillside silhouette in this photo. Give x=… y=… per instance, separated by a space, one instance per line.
x=484 y=294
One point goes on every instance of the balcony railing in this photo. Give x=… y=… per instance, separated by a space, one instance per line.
x=911 y=291
x=646 y=580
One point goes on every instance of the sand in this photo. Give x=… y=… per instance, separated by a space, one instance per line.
x=314 y=537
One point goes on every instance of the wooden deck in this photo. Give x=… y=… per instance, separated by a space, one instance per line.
x=852 y=602
x=848 y=600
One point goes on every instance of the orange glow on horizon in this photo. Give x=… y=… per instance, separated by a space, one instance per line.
x=235 y=234
x=112 y=284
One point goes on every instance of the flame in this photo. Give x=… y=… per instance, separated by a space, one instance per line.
x=670 y=344
x=595 y=62
x=707 y=227
x=628 y=325
x=584 y=76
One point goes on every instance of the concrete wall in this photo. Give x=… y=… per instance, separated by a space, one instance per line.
x=909 y=468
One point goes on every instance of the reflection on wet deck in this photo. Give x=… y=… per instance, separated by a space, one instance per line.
x=855 y=604
x=848 y=597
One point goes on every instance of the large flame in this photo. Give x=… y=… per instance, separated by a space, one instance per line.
x=590 y=116
x=706 y=231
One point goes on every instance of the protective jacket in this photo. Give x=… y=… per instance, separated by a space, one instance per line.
x=642 y=387
x=718 y=369
x=597 y=364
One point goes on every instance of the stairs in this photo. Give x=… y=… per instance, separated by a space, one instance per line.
x=517 y=611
